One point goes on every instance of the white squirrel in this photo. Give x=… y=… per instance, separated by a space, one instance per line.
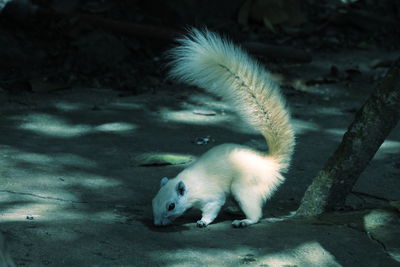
x=215 y=64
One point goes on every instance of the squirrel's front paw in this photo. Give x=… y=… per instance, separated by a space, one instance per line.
x=201 y=224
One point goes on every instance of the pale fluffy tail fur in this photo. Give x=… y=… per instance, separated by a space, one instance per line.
x=208 y=61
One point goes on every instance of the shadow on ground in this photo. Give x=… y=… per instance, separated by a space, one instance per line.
x=72 y=193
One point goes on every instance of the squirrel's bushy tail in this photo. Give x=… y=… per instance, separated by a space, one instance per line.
x=208 y=61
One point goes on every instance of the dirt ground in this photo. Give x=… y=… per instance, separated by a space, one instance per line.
x=72 y=192
x=80 y=104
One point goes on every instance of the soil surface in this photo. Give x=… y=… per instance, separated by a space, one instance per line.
x=73 y=193
x=80 y=106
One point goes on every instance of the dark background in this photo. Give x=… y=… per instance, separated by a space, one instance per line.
x=52 y=52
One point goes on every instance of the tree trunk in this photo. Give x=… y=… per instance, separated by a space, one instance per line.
x=371 y=125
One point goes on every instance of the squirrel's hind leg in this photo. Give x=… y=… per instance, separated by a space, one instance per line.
x=251 y=205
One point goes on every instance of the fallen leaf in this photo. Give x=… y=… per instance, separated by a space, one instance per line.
x=204 y=112
x=163 y=159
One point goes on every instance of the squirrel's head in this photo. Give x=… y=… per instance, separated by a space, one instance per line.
x=170 y=202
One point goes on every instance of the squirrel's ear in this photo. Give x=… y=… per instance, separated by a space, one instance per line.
x=163 y=181
x=181 y=188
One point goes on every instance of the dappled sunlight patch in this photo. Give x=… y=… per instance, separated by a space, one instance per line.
x=302 y=127
x=388 y=147
x=62 y=160
x=35 y=177
x=16 y=158
x=92 y=181
x=336 y=132
x=53 y=185
x=33 y=158
x=203 y=257
x=331 y=111
x=189 y=117
x=29 y=212
x=54 y=126
x=115 y=127
x=379 y=218
x=384 y=227
x=103 y=216
x=310 y=254
x=395 y=255
x=126 y=106
x=69 y=159
x=65 y=106
x=307 y=254
x=43 y=183
x=53 y=212
x=31 y=190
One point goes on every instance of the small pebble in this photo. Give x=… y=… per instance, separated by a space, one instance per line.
x=202 y=140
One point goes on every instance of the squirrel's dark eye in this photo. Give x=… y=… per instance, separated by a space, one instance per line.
x=171 y=206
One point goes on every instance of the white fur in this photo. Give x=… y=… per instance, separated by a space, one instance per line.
x=215 y=64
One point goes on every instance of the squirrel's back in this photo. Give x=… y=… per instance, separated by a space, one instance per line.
x=227 y=165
